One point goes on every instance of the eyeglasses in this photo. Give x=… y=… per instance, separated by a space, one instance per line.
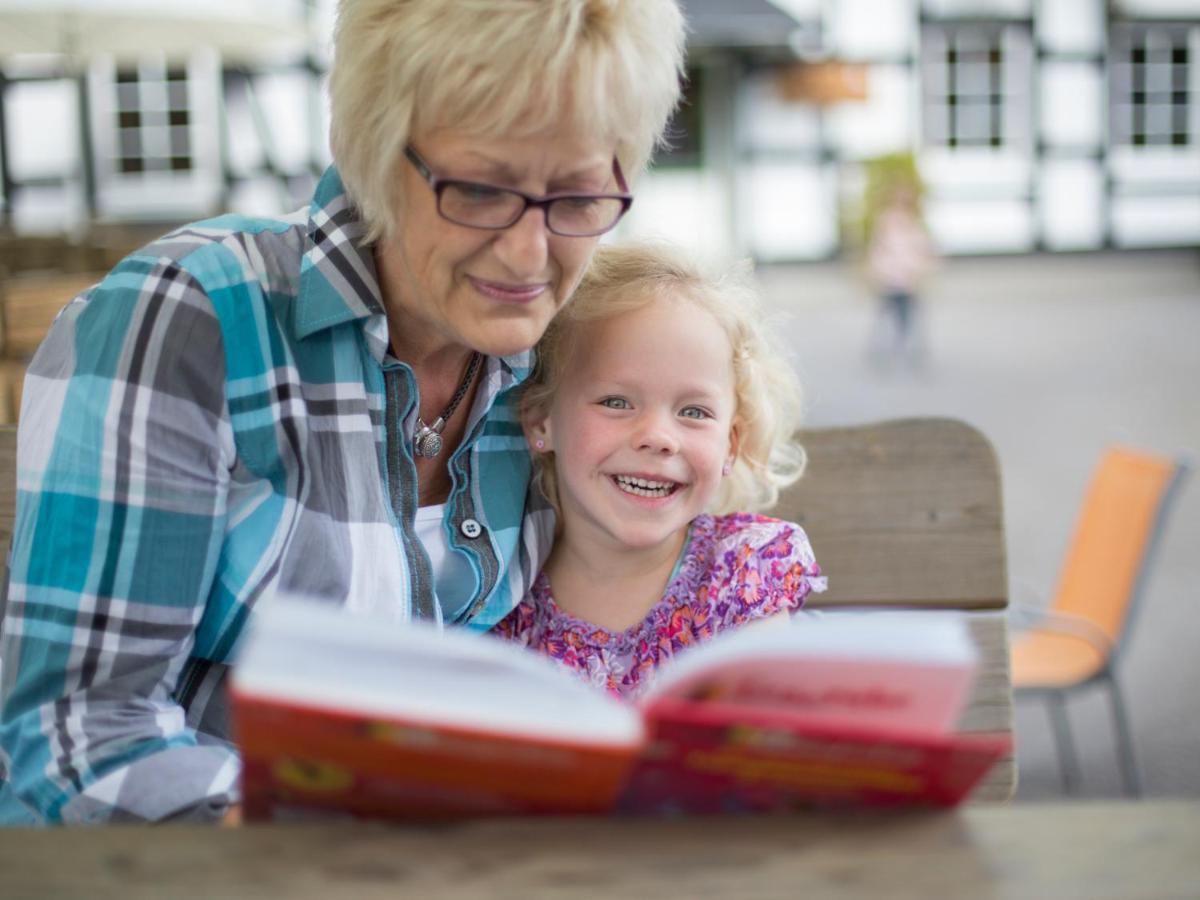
x=479 y=205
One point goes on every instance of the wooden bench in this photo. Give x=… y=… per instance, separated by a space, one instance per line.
x=8 y=484
x=908 y=514
x=98 y=250
x=29 y=303
x=48 y=252
x=900 y=514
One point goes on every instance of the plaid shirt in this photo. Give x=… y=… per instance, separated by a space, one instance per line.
x=217 y=422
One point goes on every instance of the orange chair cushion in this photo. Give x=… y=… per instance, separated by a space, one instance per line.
x=1052 y=659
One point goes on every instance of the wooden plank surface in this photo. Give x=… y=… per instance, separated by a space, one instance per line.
x=8 y=483
x=1099 y=851
x=12 y=380
x=29 y=304
x=990 y=707
x=49 y=254
x=903 y=513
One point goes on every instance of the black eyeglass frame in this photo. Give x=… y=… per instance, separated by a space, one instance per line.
x=439 y=184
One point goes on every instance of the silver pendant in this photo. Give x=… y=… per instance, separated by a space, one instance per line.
x=427 y=440
x=428 y=443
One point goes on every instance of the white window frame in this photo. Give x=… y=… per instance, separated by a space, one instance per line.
x=976 y=85
x=1153 y=77
x=152 y=118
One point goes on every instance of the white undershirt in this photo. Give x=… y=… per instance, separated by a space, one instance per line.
x=453 y=578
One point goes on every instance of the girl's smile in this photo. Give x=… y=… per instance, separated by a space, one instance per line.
x=641 y=486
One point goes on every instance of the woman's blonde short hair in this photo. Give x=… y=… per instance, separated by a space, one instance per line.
x=624 y=278
x=611 y=68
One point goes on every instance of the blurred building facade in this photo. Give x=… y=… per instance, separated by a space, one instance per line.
x=157 y=110
x=1037 y=124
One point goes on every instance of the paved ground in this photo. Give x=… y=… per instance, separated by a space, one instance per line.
x=1053 y=357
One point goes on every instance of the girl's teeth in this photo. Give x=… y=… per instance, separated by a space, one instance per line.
x=643 y=487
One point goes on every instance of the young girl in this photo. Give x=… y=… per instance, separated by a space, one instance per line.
x=656 y=408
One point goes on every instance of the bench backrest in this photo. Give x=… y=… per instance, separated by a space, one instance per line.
x=903 y=513
x=899 y=513
x=908 y=513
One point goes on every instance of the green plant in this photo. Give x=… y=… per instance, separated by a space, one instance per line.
x=884 y=176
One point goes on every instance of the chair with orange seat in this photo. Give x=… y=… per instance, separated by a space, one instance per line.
x=1080 y=637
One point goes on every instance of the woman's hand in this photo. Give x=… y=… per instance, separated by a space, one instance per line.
x=232 y=817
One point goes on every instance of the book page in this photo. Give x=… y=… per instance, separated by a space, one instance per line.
x=307 y=654
x=889 y=669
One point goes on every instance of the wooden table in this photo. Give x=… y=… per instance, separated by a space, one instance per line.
x=1084 y=850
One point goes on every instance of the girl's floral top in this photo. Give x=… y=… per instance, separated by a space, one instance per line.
x=734 y=569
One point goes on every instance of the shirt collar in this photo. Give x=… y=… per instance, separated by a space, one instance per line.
x=338 y=281
x=337 y=273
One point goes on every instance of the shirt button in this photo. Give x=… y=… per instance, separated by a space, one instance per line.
x=471 y=528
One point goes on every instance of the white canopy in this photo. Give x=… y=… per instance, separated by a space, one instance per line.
x=82 y=29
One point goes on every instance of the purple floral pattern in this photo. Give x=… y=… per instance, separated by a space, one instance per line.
x=736 y=569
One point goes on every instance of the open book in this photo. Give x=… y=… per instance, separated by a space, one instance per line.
x=352 y=715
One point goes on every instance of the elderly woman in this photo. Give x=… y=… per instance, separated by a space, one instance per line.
x=317 y=405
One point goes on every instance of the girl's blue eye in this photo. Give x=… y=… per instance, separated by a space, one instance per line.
x=615 y=403
x=694 y=412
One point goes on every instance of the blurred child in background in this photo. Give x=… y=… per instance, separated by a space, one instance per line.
x=899 y=257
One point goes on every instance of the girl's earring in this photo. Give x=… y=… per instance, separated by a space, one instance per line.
x=727 y=468
x=539 y=444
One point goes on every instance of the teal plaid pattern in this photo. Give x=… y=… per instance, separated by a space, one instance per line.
x=216 y=423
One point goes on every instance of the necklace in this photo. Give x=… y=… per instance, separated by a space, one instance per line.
x=427 y=442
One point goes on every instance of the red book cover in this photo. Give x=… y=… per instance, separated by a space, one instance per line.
x=704 y=758
x=343 y=716
x=308 y=758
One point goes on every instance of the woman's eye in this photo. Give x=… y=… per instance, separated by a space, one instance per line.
x=470 y=192
x=578 y=204
x=615 y=403
x=695 y=412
